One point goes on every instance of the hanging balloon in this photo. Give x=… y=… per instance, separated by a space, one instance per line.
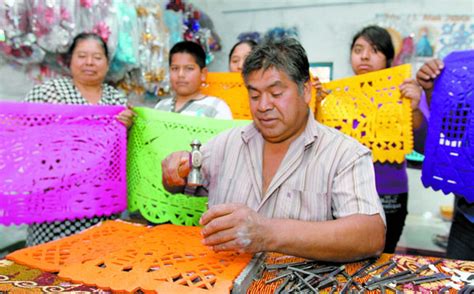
x=249 y=36
x=423 y=47
x=209 y=58
x=173 y=21
x=214 y=41
x=103 y=30
x=126 y=54
x=175 y=5
x=55 y=40
x=197 y=27
x=279 y=33
x=189 y=36
x=86 y=3
x=53 y=24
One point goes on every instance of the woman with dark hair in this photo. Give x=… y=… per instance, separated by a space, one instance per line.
x=379 y=46
x=238 y=53
x=88 y=61
x=372 y=50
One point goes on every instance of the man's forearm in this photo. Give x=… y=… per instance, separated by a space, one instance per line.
x=346 y=239
x=418 y=119
x=428 y=94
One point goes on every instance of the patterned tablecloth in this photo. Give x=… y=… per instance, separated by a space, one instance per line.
x=15 y=278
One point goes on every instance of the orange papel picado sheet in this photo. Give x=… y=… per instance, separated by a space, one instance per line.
x=370 y=109
x=230 y=87
x=126 y=257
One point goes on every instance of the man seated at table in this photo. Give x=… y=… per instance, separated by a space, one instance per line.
x=285 y=183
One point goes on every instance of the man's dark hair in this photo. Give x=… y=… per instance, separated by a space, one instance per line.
x=286 y=55
x=85 y=36
x=380 y=39
x=192 y=49
x=251 y=44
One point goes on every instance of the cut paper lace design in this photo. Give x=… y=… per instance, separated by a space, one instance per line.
x=230 y=87
x=89 y=244
x=154 y=136
x=449 y=148
x=127 y=257
x=370 y=109
x=60 y=162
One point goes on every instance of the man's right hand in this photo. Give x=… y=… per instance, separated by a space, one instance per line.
x=175 y=169
x=428 y=73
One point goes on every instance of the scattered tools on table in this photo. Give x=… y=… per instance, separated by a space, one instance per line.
x=258 y=275
x=312 y=277
x=388 y=263
x=388 y=269
x=467 y=289
x=444 y=289
x=361 y=270
x=466 y=277
x=427 y=266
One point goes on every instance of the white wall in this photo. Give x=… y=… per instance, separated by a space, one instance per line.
x=326 y=27
x=14 y=84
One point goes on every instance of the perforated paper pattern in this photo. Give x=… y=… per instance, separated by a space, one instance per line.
x=89 y=244
x=449 y=148
x=60 y=162
x=165 y=259
x=231 y=88
x=154 y=136
x=369 y=108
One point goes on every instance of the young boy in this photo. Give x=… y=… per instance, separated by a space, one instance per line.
x=188 y=70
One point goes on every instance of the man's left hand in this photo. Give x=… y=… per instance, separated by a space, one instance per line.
x=234 y=227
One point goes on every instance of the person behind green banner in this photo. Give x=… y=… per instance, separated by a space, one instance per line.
x=188 y=71
x=285 y=183
x=238 y=53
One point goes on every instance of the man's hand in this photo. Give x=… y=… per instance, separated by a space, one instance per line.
x=175 y=168
x=411 y=90
x=428 y=73
x=234 y=227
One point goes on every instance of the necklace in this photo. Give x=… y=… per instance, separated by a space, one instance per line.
x=189 y=102
x=173 y=104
